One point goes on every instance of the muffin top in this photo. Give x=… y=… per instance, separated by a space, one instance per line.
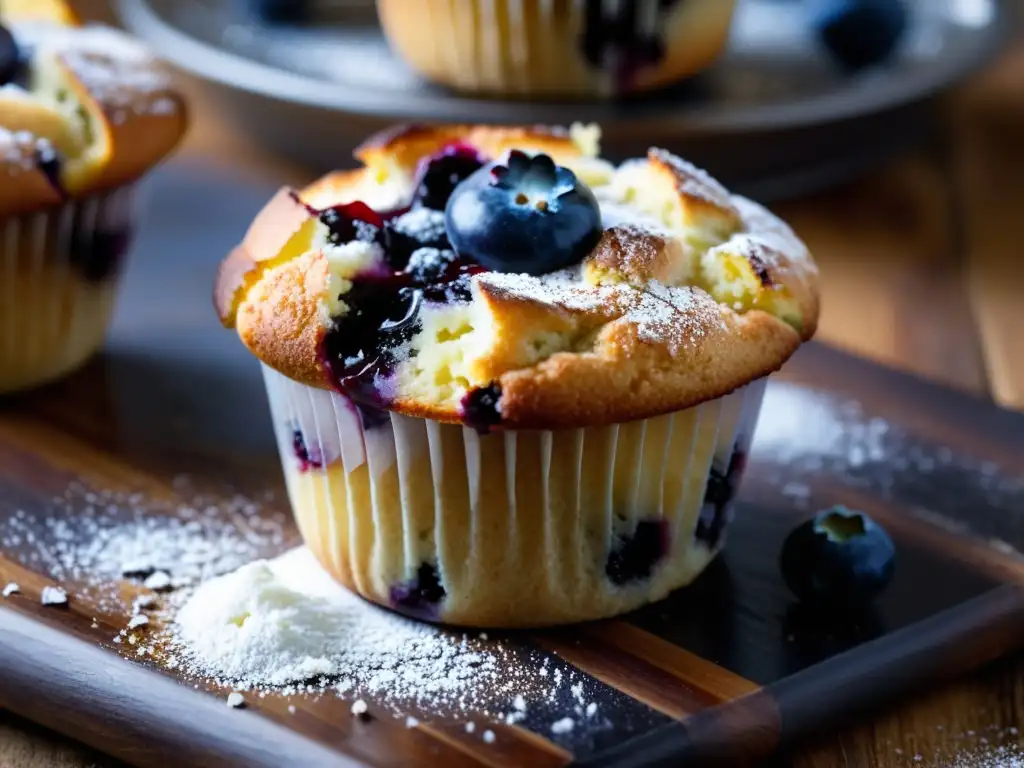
x=82 y=109
x=510 y=277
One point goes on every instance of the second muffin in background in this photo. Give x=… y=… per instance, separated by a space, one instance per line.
x=512 y=384
x=84 y=113
x=560 y=48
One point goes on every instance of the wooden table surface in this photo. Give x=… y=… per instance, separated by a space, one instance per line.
x=923 y=269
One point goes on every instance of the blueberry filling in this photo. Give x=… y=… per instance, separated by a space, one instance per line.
x=633 y=558
x=717 y=506
x=617 y=39
x=439 y=175
x=480 y=408
x=307 y=460
x=420 y=595
x=361 y=349
x=98 y=255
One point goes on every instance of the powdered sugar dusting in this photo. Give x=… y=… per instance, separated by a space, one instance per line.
x=283 y=623
x=694 y=182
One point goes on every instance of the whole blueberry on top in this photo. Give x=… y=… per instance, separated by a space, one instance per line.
x=859 y=33
x=11 y=61
x=528 y=215
x=839 y=556
x=438 y=175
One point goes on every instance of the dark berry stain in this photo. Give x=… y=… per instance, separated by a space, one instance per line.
x=614 y=41
x=307 y=460
x=715 y=511
x=421 y=595
x=98 y=255
x=480 y=408
x=633 y=558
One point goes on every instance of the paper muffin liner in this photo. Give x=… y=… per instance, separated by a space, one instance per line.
x=540 y=47
x=59 y=272
x=515 y=528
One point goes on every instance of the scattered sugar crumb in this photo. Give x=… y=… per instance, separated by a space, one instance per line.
x=142 y=602
x=159 y=581
x=591 y=709
x=411 y=722
x=563 y=726
x=470 y=726
x=235 y=700
x=519 y=703
x=53 y=596
x=138 y=620
x=11 y=589
x=359 y=707
x=488 y=736
x=291 y=709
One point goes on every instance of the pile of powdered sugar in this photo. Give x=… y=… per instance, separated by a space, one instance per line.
x=284 y=624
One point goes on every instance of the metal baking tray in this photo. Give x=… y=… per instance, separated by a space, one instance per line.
x=773 y=117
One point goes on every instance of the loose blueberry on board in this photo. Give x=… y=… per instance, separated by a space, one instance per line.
x=634 y=558
x=421 y=595
x=439 y=175
x=11 y=61
x=859 y=33
x=840 y=556
x=527 y=216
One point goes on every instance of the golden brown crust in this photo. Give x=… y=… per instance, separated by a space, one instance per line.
x=273 y=227
x=279 y=319
x=101 y=102
x=631 y=334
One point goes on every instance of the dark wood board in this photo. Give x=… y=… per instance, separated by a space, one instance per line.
x=726 y=671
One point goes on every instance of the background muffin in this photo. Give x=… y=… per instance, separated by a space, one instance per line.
x=574 y=48
x=539 y=413
x=84 y=112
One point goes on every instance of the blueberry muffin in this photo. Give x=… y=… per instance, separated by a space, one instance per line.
x=514 y=385
x=557 y=48
x=84 y=112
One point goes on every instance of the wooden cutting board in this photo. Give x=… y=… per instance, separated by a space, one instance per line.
x=726 y=671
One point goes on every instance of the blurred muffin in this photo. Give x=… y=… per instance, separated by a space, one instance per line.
x=557 y=48
x=84 y=112
x=513 y=384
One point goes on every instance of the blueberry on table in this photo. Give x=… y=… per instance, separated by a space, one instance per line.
x=860 y=33
x=528 y=215
x=839 y=556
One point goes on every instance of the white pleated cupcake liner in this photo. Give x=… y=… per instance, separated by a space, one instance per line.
x=52 y=317
x=519 y=528
x=519 y=46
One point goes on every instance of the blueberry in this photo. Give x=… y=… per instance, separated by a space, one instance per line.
x=11 y=60
x=634 y=557
x=480 y=408
x=307 y=459
x=404 y=235
x=352 y=221
x=527 y=216
x=439 y=175
x=839 y=556
x=99 y=255
x=860 y=33
x=421 y=595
